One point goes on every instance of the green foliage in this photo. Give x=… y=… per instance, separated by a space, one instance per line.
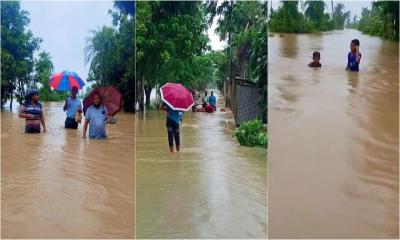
x=339 y=16
x=252 y=133
x=99 y=52
x=244 y=25
x=382 y=20
x=17 y=50
x=48 y=95
x=44 y=69
x=288 y=18
x=111 y=53
x=171 y=43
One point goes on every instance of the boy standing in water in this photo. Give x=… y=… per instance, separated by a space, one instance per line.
x=32 y=111
x=316 y=57
x=96 y=117
x=173 y=119
x=72 y=105
x=354 y=56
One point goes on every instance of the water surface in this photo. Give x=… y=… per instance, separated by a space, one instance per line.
x=334 y=138
x=213 y=188
x=58 y=185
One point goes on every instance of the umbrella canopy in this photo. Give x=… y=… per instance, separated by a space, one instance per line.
x=177 y=96
x=110 y=96
x=65 y=80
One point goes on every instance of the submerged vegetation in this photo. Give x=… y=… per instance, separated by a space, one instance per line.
x=288 y=18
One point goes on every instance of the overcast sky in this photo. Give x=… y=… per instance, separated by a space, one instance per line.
x=63 y=26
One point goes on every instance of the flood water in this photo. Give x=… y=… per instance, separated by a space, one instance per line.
x=333 y=154
x=58 y=185
x=212 y=188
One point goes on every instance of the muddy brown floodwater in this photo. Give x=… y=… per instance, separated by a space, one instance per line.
x=58 y=185
x=213 y=188
x=334 y=138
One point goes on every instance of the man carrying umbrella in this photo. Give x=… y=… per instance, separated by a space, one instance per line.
x=96 y=117
x=176 y=99
x=32 y=111
x=72 y=105
x=100 y=106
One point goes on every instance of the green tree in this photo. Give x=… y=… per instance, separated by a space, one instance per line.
x=245 y=24
x=288 y=19
x=124 y=74
x=170 y=35
x=99 y=53
x=44 y=68
x=315 y=13
x=17 y=49
x=339 y=16
x=111 y=53
x=382 y=20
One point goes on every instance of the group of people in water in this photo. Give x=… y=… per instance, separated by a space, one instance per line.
x=96 y=115
x=353 y=58
x=208 y=103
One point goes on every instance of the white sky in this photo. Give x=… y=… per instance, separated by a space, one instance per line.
x=63 y=26
x=215 y=43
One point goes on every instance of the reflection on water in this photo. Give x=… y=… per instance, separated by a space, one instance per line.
x=58 y=185
x=213 y=188
x=333 y=162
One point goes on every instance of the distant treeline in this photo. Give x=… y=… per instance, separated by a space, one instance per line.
x=288 y=18
x=381 y=20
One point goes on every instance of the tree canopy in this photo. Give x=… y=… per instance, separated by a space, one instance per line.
x=288 y=18
x=17 y=51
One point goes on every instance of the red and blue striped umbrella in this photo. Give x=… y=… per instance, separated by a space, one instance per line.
x=65 y=80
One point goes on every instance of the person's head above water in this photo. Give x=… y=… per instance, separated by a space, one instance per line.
x=205 y=93
x=96 y=100
x=316 y=56
x=32 y=95
x=212 y=93
x=354 y=44
x=74 y=91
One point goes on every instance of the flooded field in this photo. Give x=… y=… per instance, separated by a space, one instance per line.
x=334 y=148
x=58 y=185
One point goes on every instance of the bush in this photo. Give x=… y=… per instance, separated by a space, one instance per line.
x=52 y=96
x=252 y=134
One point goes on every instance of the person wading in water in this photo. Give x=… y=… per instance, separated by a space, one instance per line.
x=72 y=105
x=31 y=109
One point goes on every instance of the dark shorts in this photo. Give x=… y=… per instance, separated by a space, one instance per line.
x=70 y=123
x=32 y=129
x=173 y=132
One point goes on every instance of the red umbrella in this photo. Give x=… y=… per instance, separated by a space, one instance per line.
x=110 y=96
x=177 y=96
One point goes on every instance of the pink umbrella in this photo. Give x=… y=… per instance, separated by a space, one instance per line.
x=110 y=96
x=177 y=96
